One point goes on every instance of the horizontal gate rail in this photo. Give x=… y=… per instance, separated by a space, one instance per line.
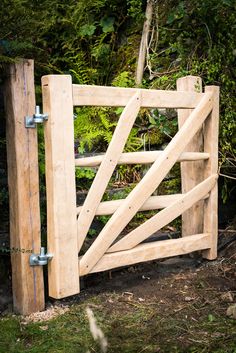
x=139 y=158
x=152 y=251
x=119 y=97
x=152 y=203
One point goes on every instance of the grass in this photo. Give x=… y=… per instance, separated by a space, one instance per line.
x=130 y=327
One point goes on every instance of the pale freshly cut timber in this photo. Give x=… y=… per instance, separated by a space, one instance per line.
x=191 y=173
x=23 y=183
x=151 y=251
x=211 y=132
x=119 y=97
x=139 y=158
x=107 y=166
x=60 y=181
x=165 y=216
x=153 y=203
x=147 y=185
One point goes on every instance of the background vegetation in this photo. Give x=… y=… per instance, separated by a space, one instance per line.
x=97 y=42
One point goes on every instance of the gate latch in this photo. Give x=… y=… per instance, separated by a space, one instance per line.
x=40 y=259
x=37 y=118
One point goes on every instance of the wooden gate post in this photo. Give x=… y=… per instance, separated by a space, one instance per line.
x=192 y=173
x=63 y=273
x=211 y=132
x=23 y=181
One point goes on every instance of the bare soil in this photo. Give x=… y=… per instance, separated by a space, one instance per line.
x=176 y=305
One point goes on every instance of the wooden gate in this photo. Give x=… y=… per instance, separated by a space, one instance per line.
x=195 y=146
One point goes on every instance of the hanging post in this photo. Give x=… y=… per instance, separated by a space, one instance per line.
x=23 y=182
x=192 y=172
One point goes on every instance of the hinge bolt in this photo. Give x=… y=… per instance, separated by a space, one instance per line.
x=41 y=258
x=37 y=118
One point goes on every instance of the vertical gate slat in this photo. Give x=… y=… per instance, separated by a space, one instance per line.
x=211 y=132
x=192 y=173
x=23 y=182
x=63 y=271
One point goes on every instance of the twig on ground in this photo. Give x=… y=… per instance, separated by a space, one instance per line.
x=96 y=332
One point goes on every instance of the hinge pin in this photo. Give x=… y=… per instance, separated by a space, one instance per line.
x=37 y=118
x=40 y=259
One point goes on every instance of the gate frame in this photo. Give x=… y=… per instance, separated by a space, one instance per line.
x=23 y=173
x=56 y=90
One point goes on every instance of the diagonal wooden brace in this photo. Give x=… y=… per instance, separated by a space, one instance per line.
x=147 y=185
x=107 y=167
x=165 y=216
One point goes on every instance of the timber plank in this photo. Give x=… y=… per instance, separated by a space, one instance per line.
x=192 y=172
x=151 y=251
x=146 y=157
x=152 y=203
x=23 y=182
x=119 y=97
x=211 y=133
x=60 y=182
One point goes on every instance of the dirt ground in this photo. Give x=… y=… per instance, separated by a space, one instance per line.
x=180 y=304
x=181 y=284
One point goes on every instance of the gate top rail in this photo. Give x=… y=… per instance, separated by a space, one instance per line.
x=86 y=95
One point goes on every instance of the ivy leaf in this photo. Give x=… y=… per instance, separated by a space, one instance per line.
x=107 y=24
x=87 y=30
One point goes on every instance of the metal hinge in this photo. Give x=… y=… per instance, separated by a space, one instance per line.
x=40 y=259
x=37 y=118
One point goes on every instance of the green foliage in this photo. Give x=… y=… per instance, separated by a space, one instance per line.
x=135 y=9
x=199 y=38
x=97 y=43
x=107 y=24
x=85 y=173
x=166 y=125
x=94 y=128
x=124 y=79
x=84 y=177
x=61 y=36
